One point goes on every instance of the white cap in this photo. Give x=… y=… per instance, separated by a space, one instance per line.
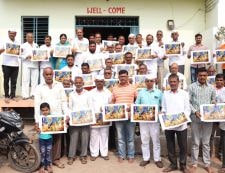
x=99 y=77
x=12 y=30
x=150 y=77
x=174 y=31
x=131 y=35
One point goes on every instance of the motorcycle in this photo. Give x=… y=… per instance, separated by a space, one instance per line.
x=22 y=155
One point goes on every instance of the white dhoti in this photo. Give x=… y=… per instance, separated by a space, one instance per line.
x=148 y=130
x=99 y=141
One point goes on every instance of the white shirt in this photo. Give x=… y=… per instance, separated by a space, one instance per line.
x=76 y=71
x=161 y=53
x=80 y=101
x=100 y=98
x=175 y=103
x=152 y=64
x=54 y=96
x=99 y=47
x=27 y=50
x=178 y=59
x=9 y=60
x=45 y=64
x=81 y=46
x=181 y=79
x=220 y=98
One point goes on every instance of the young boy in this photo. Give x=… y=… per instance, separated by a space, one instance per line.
x=45 y=143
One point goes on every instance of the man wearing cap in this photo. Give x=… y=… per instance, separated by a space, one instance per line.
x=179 y=59
x=99 y=134
x=132 y=40
x=10 y=67
x=150 y=96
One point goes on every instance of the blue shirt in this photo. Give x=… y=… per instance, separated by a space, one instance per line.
x=152 y=97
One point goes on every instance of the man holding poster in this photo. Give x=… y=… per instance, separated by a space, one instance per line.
x=200 y=92
x=99 y=134
x=153 y=96
x=125 y=93
x=176 y=101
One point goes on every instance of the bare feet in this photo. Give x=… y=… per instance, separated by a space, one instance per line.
x=131 y=160
x=120 y=159
x=209 y=169
x=7 y=100
x=192 y=169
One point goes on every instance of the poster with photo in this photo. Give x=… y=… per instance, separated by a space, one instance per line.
x=117 y=58
x=213 y=112
x=40 y=55
x=173 y=120
x=144 y=113
x=219 y=56
x=100 y=122
x=52 y=124
x=95 y=64
x=61 y=51
x=173 y=49
x=115 y=112
x=110 y=83
x=211 y=80
x=131 y=68
x=200 y=57
x=130 y=48
x=88 y=80
x=12 y=49
x=143 y=54
x=82 y=117
x=60 y=75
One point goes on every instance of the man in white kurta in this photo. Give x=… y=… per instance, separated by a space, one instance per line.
x=30 y=69
x=53 y=93
x=99 y=135
x=78 y=101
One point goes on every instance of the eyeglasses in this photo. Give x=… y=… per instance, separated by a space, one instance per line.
x=107 y=73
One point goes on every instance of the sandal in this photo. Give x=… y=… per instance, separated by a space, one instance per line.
x=59 y=164
x=83 y=160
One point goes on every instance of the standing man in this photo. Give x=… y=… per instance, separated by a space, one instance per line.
x=142 y=70
x=43 y=64
x=121 y=40
x=78 y=100
x=80 y=46
x=197 y=46
x=200 y=92
x=10 y=68
x=30 y=69
x=153 y=96
x=99 y=135
x=125 y=93
x=176 y=101
x=179 y=59
x=98 y=41
x=52 y=92
x=160 y=72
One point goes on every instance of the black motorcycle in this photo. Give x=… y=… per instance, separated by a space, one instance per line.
x=22 y=155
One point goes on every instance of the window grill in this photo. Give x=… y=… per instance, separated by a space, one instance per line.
x=37 y=25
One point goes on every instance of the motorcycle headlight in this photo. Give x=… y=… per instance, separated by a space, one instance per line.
x=13 y=134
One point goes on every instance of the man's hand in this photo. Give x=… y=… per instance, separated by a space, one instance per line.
x=198 y=114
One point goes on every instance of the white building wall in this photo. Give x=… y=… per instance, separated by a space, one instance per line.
x=188 y=15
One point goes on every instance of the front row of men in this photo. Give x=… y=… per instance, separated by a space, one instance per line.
x=173 y=101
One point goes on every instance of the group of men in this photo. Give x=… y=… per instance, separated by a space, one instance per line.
x=172 y=100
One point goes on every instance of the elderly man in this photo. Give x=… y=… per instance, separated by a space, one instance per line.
x=10 y=67
x=174 y=68
x=178 y=59
x=200 y=92
x=149 y=96
x=99 y=96
x=176 y=101
x=53 y=93
x=78 y=100
x=125 y=93
x=30 y=69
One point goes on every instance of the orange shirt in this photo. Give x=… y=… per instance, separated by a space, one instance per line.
x=222 y=47
x=124 y=94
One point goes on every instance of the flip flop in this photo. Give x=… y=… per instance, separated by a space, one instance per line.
x=59 y=164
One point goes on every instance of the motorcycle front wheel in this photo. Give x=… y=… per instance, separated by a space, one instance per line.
x=24 y=157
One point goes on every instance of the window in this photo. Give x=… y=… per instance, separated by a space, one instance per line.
x=37 y=25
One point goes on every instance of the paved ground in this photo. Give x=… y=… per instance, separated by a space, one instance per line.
x=102 y=166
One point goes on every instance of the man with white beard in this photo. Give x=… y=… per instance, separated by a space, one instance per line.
x=99 y=135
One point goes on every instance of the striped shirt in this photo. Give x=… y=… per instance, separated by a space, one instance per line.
x=124 y=94
x=200 y=94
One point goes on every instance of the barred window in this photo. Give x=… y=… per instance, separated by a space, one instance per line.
x=38 y=25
